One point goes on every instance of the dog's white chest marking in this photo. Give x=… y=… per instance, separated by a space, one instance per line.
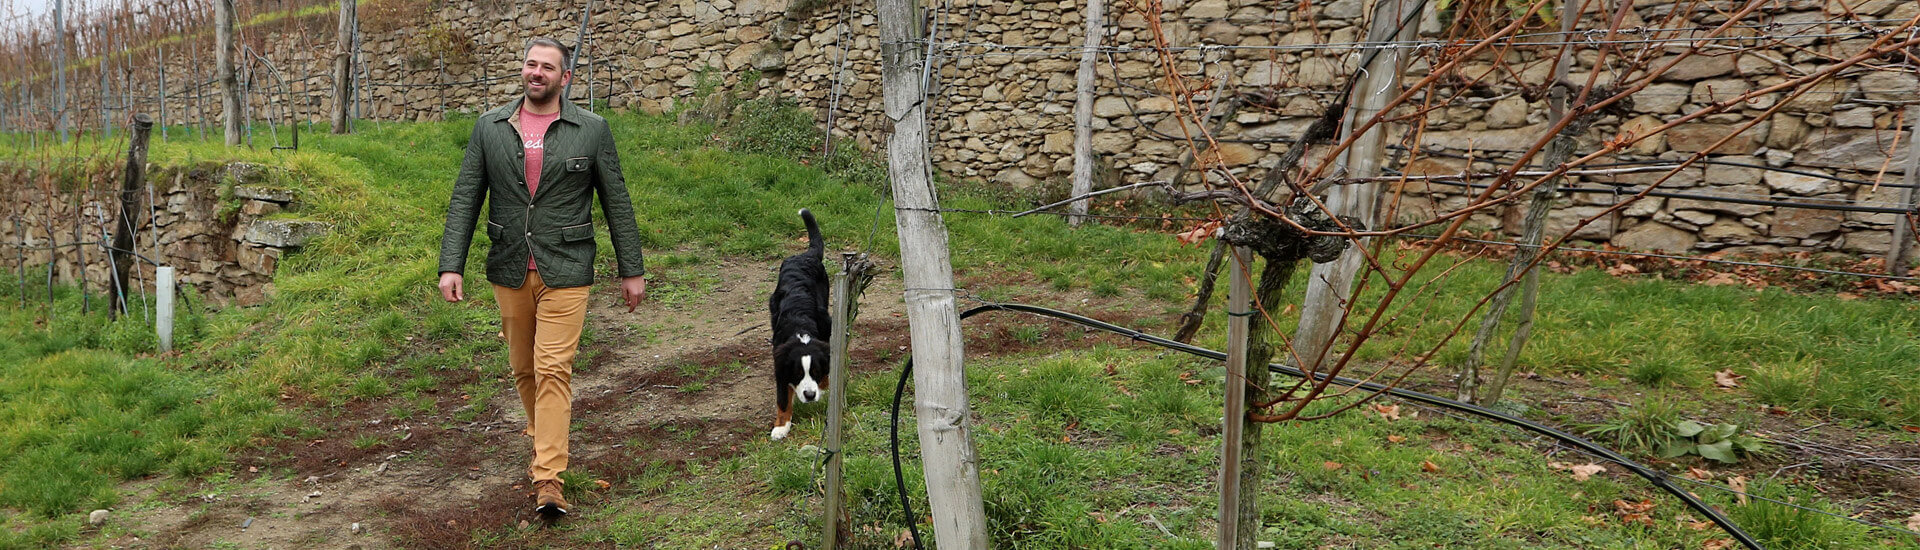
x=805 y=340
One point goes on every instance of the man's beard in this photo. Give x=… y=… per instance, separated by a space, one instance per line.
x=542 y=96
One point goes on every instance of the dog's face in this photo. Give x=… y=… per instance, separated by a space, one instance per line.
x=806 y=358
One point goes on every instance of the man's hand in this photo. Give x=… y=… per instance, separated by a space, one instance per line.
x=633 y=289
x=450 y=287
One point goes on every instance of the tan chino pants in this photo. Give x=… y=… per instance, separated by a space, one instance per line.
x=543 y=334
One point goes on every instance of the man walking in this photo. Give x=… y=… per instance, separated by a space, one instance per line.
x=538 y=162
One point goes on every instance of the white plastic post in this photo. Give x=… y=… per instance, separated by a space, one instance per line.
x=163 y=306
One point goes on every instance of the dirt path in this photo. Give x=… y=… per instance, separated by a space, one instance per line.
x=697 y=358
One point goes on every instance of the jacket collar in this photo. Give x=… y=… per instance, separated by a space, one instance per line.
x=510 y=113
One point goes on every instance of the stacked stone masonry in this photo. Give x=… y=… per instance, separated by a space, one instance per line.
x=1004 y=115
x=224 y=250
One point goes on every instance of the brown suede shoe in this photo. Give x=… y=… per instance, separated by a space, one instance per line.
x=548 y=500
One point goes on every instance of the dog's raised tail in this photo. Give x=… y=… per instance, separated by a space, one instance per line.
x=814 y=241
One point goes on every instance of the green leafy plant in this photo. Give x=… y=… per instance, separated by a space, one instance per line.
x=1642 y=427
x=1716 y=442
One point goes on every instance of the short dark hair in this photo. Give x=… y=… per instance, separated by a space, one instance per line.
x=566 y=53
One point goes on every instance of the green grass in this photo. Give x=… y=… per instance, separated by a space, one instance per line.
x=1069 y=460
x=1063 y=450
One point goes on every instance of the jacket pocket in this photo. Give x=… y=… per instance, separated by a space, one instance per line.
x=574 y=233
x=494 y=230
x=578 y=164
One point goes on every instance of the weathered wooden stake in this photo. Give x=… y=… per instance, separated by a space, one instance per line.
x=1233 y=422
x=1903 y=229
x=230 y=108
x=855 y=272
x=128 y=225
x=940 y=385
x=20 y=259
x=80 y=254
x=343 y=69
x=1330 y=285
x=161 y=117
x=1083 y=114
x=60 y=70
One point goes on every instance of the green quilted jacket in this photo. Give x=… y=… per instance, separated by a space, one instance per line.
x=555 y=225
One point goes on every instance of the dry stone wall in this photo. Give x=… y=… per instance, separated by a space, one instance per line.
x=1003 y=96
x=222 y=227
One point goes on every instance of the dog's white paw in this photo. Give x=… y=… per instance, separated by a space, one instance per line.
x=780 y=432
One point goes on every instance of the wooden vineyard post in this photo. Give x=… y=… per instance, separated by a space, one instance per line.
x=848 y=284
x=1233 y=422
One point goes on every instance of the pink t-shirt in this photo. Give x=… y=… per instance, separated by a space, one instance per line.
x=533 y=136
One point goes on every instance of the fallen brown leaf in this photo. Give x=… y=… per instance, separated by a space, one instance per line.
x=1701 y=474
x=1429 y=467
x=1913 y=522
x=1716 y=544
x=1580 y=471
x=601 y=483
x=1739 y=486
x=1331 y=465
x=1389 y=412
x=1727 y=379
x=1624 y=507
x=1699 y=525
x=1395 y=439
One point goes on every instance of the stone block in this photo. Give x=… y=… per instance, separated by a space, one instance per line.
x=284 y=233
x=1648 y=145
x=1889 y=85
x=1694 y=67
x=1507 y=113
x=264 y=193
x=259 y=260
x=1867 y=242
x=1805 y=223
x=1696 y=137
x=1862 y=150
x=1655 y=237
x=245 y=173
x=258 y=208
x=1563 y=218
x=1722 y=174
x=1750 y=191
x=1799 y=184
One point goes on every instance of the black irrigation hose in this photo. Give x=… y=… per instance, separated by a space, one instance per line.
x=1657 y=478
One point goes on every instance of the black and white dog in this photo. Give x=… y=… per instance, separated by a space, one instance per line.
x=801 y=326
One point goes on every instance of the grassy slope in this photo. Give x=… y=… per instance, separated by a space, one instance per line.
x=358 y=306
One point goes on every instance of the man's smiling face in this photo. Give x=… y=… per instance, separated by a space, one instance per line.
x=543 y=73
